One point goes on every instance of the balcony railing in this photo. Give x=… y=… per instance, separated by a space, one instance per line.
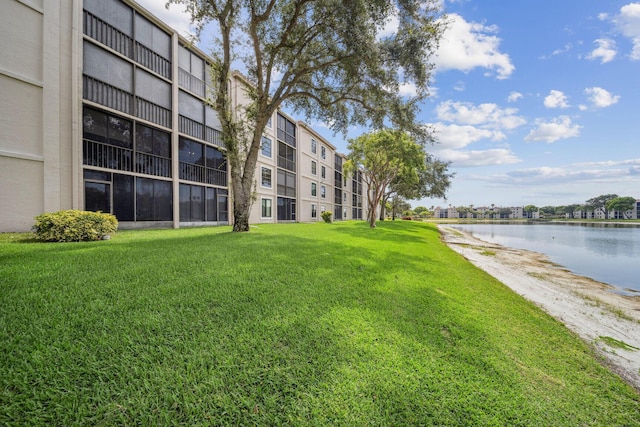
x=110 y=96
x=106 y=156
x=191 y=82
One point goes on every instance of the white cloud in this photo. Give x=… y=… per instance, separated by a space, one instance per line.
x=558 y=128
x=514 y=96
x=556 y=99
x=486 y=115
x=408 y=89
x=461 y=158
x=628 y=23
x=390 y=28
x=176 y=16
x=601 y=98
x=452 y=136
x=606 y=50
x=468 y=45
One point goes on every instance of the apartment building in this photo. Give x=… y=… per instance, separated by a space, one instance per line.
x=103 y=107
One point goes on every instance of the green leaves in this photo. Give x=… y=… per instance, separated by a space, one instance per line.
x=74 y=226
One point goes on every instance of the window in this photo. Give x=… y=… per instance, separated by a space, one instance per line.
x=269 y=124
x=286 y=209
x=97 y=196
x=266 y=177
x=314 y=167
x=314 y=146
x=199 y=204
x=286 y=130
x=286 y=157
x=202 y=163
x=323 y=208
x=266 y=208
x=323 y=152
x=286 y=184
x=323 y=172
x=314 y=192
x=154 y=200
x=265 y=148
x=314 y=210
x=323 y=191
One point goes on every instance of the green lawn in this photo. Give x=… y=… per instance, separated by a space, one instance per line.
x=300 y=324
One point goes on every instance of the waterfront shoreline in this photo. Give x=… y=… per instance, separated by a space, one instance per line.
x=589 y=308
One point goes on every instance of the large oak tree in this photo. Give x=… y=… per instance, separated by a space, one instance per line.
x=329 y=59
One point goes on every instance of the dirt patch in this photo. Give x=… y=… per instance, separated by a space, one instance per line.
x=589 y=308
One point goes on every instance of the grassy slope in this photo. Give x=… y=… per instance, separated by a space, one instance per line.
x=303 y=324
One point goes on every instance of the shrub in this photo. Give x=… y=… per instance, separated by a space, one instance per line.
x=74 y=226
x=326 y=215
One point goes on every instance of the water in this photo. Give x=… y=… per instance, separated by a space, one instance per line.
x=604 y=252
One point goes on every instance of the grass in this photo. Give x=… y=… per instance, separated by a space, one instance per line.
x=299 y=324
x=614 y=343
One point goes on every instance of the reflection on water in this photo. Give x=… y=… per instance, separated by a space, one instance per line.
x=609 y=253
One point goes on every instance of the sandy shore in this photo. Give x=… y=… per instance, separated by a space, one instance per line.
x=587 y=307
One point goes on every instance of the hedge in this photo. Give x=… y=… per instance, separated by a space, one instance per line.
x=74 y=226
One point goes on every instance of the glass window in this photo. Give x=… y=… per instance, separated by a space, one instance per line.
x=314 y=146
x=223 y=207
x=266 y=177
x=286 y=131
x=286 y=183
x=153 y=200
x=313 y=168
x=211 y=205
x=123 y=197
x=323 y=191
x=191 y=152
x=266 y=208
x=313 y=189
x=323 y=152
x=215 y=159
x=152 y=141
x=286 y=209
x=94 y=125
x=314 y=210
x=265 y=148
x=323 y=172
x=97 y=196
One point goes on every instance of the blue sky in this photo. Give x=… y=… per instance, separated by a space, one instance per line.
x=533 y=101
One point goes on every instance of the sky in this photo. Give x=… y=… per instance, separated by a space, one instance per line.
x=534 y=102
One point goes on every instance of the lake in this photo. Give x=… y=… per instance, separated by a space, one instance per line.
x=609 y=253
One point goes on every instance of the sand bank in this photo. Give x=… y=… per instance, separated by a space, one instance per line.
x=588 y=307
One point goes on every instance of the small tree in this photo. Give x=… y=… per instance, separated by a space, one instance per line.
x=420 y=210
x=530 y=210
x=382 y=156
x=621 y=204
x=600 y=202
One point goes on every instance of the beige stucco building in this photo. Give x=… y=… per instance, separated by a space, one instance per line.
x=103 y=107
